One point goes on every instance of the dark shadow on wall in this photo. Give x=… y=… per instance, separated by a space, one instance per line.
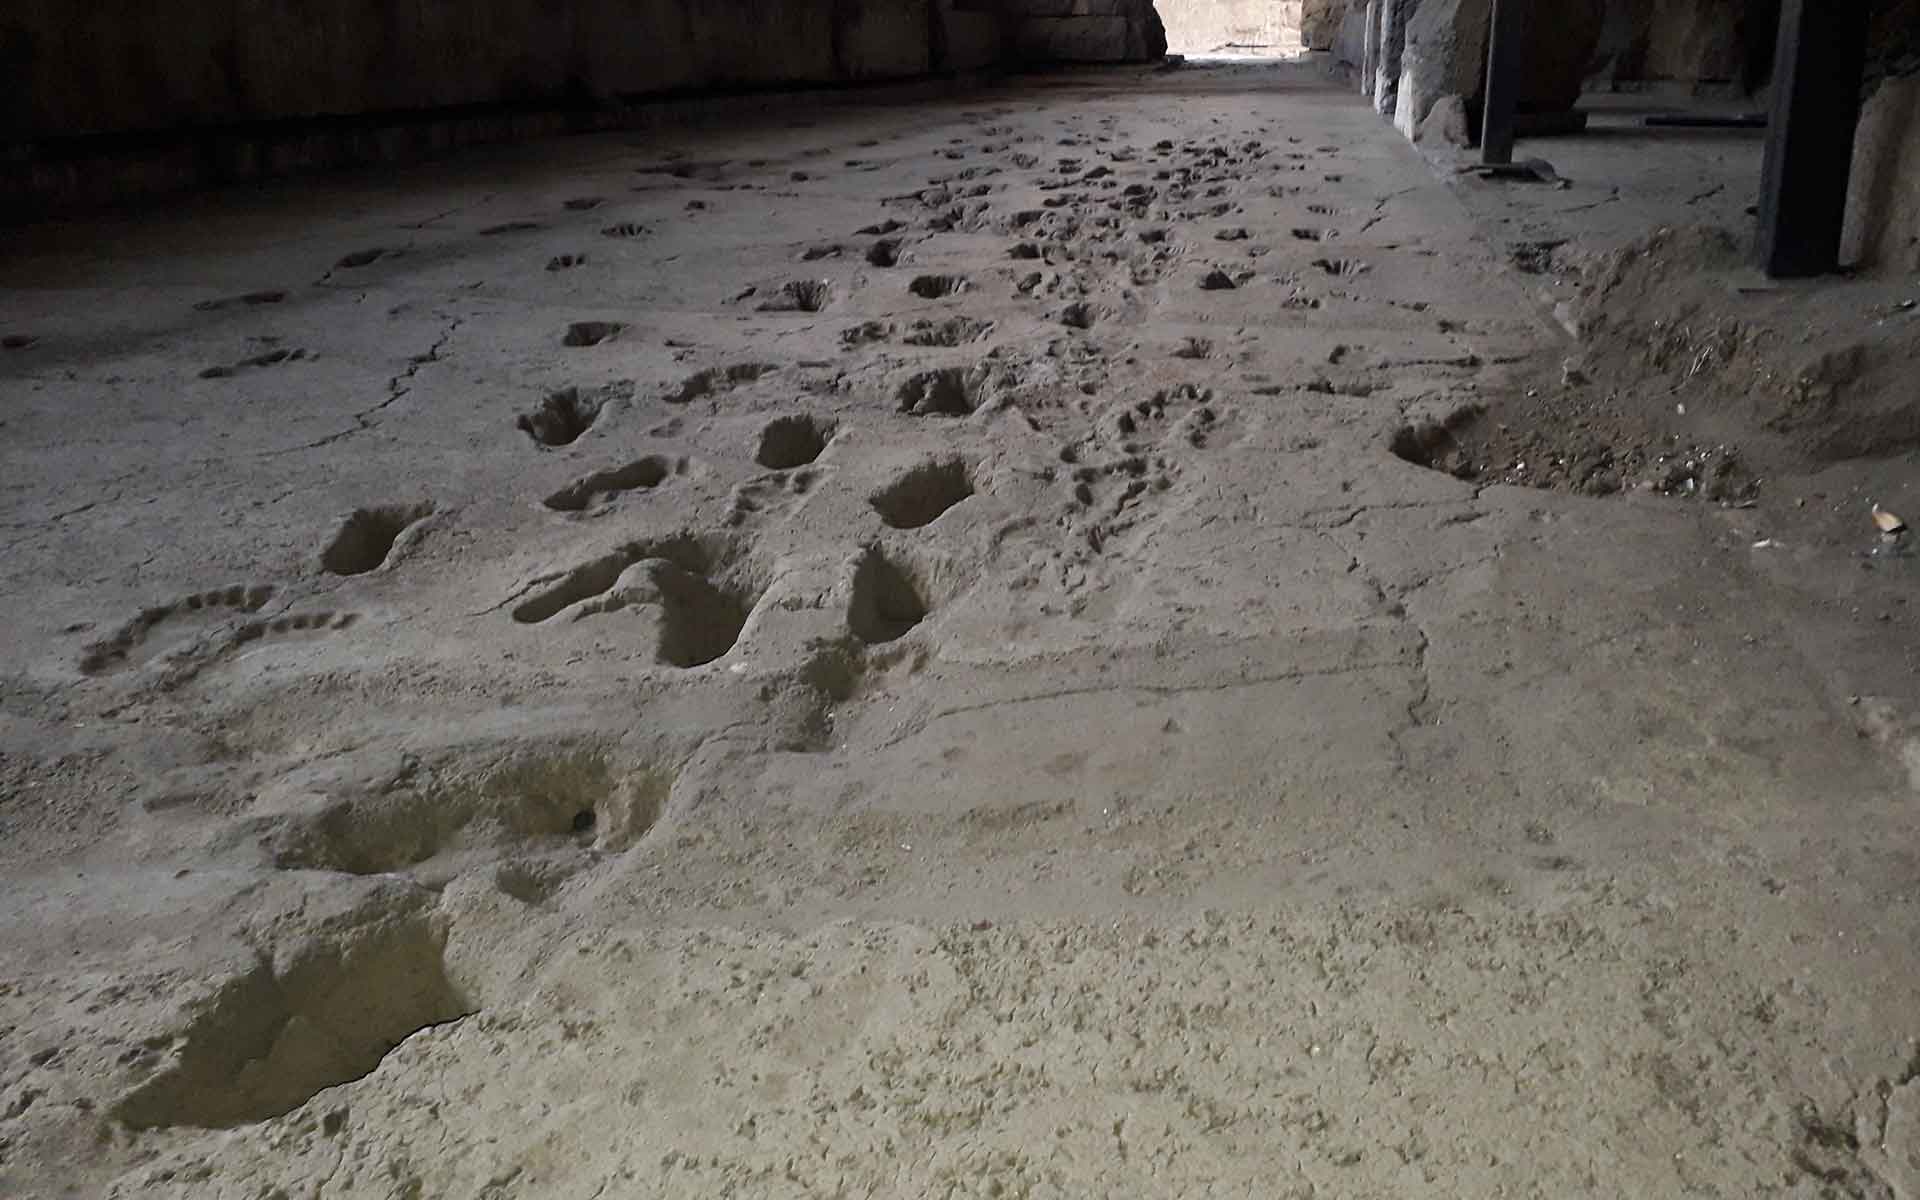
x=99 y=111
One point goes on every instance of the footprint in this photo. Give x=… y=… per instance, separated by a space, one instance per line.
x=919 y=497
x=1217 y=281
x=1079 y=315
x=700 y=596
x=601 y=487
x=365 y=540
x=361 y=258
x=1197 y=420
x=1307 y=235
x=511 y=802
x=511 y=227
x=789 y=442
x=590 y=333
x=1194 y=347
x=935 y=287
x=1101 y=515
x=1342 y=267
x=944 y=392
x=800 y=295
x=865 y=333
x=584 y=203
x=625 y=229
x=565 y=262
x=563 y=416
x=884 y=253
x=882 y=229
x=716 y=381
x=271 y=358
x=313 y=622
x=768 y=493
x=250 y=298
x=954 y=331
x=887 y=600
x=146 y=636
x=18 y=341
x=1148 y=440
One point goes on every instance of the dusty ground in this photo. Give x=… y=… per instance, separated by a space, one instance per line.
x=891 y=654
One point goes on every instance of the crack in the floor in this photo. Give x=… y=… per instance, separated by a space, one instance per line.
x=1607 y=199
x=399 y=386
x=920 y=725
x=1310 y=518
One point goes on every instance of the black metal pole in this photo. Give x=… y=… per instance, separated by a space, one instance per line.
x=1817 y=73
x=1504 y=50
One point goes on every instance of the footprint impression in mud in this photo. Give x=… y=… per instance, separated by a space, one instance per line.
x=1137 y=451
x=270 y=358
x=593 y=492
x=170 y=627
x=697 y=592
x=717 y=381
x=536 y=808
x=799 y=295
x=371 y=537
x=767 y=494
x=197 y=629
x=943 y=392
x=923 y=494
x=564 y=416
x=194 y=631
x=250 y=300
x=581 y=334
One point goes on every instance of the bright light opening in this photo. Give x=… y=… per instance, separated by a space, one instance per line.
x=1255 y=29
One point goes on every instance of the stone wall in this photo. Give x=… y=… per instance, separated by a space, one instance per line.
x=1085 y=30
x=1688 y=41
x=127 y=65
x=1729 y=42
x=139 y=67
x=1320 y=22
x=1445 y=54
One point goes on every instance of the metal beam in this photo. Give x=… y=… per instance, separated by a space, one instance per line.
x=1817 y=73
x=1504 y=52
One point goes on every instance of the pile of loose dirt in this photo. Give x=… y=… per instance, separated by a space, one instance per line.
x=1693 y=378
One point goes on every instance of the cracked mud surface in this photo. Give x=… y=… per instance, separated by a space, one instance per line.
x=839 y=734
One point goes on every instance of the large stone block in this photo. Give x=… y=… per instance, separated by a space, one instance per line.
x=1094 y=31
x=1446 y=54
x=878 y=39
x=1883 y=196
x=967 y=40
x=1320 y=22
x=1688 y=41
x=1350 y=44
x=1389 y=41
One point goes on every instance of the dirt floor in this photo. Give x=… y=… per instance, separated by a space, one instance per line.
x=911 y=651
